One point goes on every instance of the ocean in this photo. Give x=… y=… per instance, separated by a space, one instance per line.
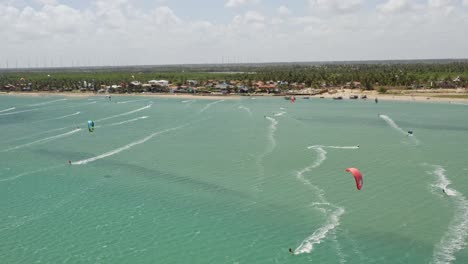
x=168 y=180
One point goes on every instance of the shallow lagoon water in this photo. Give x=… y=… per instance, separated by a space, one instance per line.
x=232 y=181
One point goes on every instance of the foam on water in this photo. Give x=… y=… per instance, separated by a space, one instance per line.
x=188 y=101
x=126 y=147
x=7 y=110
x=124 y=114
x=209 y=105
x=48 y=102
x=129 y=121
x=454 y=239
x=43 y=140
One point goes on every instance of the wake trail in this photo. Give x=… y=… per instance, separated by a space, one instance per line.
x=40 y=133
x=126 y=147
x=43 y=140
x=131 y=101
x=188 y=101
x=392 y=124
x=246 y=109
x=18 y=112
x=7 y=110
x=124 y=114
x=129 y=121
x=48 y=102
x=454 y=239
x=268 y=150
x=58 y=118
x=209 y=105
x=332 y=212
x=30 y=173
x=280 y=113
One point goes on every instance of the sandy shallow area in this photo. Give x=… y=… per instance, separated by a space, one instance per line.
x=438 y=96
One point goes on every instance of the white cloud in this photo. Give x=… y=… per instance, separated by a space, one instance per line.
x=396 y=6
x=238 y=3
x=118 y=32
x=284 y=11
x=46 y=2
x=336 y=6
x=465 y=2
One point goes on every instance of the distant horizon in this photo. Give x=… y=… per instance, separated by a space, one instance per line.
x=254 y=64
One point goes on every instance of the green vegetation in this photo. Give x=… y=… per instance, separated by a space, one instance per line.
x=286 y=76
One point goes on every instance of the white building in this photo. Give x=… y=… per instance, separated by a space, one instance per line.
x=162 y=83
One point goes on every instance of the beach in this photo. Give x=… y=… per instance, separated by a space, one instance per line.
x=437 y=95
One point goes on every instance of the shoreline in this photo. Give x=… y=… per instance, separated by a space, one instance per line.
x=371 y=95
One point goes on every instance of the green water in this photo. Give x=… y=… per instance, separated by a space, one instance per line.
x=234 y=181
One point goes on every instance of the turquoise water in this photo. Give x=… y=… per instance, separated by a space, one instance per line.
x=233 y=181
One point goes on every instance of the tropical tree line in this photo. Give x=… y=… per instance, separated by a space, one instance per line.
x=369 y=76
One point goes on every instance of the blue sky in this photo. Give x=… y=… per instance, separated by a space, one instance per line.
x=114 y=32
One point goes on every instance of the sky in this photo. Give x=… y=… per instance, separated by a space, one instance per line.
x=63 y=33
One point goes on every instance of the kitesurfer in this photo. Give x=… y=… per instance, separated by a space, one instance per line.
x=376 y=100
x=291 y=251
x=443 y=190
x=69 y=162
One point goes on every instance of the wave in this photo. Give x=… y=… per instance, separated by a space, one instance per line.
x=126 y=147
x=246 y=109
x=209 y=105
x=124 y=114
x=454 y=239
x=188 y=101
x=48 y=102
x=7 y=110
x=43 y=140
x=129 y=121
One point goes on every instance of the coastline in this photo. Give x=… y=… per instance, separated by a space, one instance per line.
x=431 y=96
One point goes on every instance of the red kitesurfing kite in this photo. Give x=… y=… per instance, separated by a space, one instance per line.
x=357 y=177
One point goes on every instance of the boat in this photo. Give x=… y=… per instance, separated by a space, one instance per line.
x=353 y=97
x=306 y=97
x=338 y=98
x=363 y=96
